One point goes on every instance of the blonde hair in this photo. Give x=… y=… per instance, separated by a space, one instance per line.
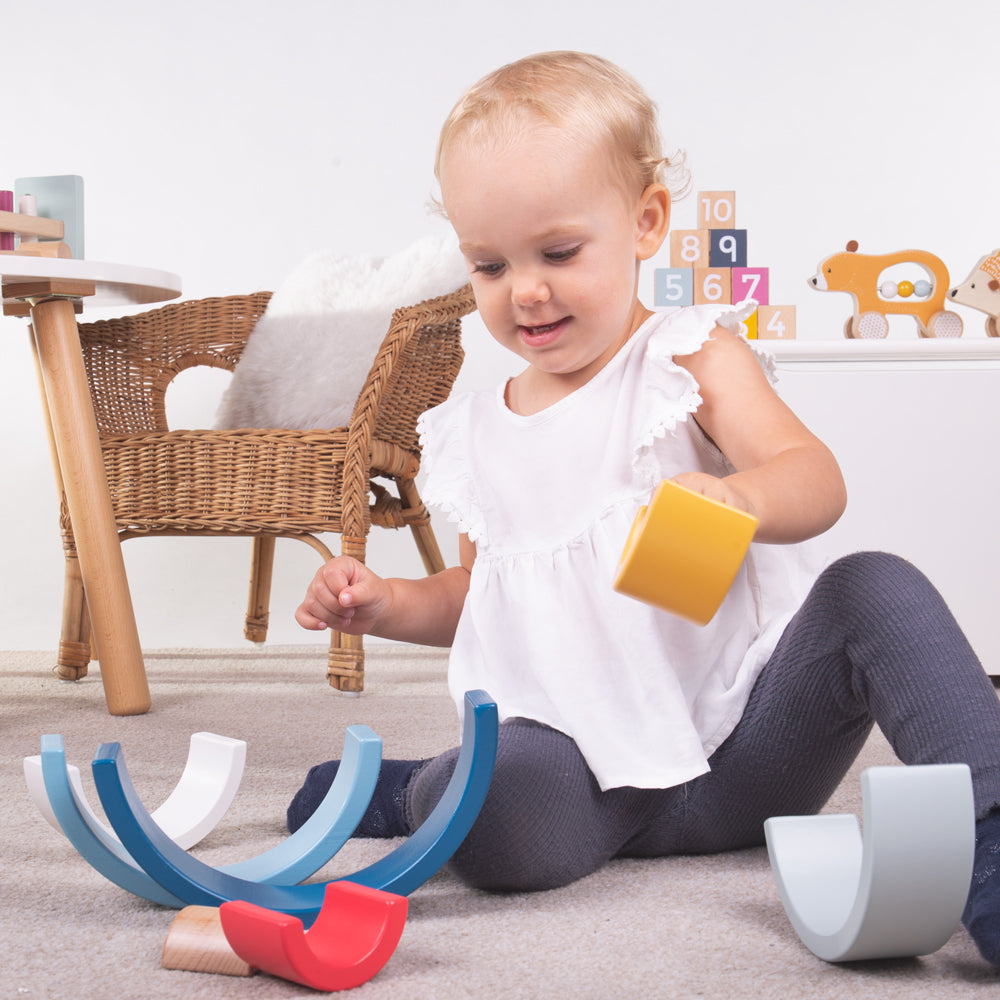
x=586 y=97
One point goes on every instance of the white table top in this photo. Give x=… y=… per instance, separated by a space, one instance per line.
x=117 y=284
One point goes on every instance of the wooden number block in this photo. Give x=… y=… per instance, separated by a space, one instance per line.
x=712 y=286
x=689 y=248
x=750 y=283
x=716 y=209
x=673 y=286
x=776 y=323
x=728 y=248
x=750 y=326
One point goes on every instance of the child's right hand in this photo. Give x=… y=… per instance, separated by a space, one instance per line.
x=344 y=595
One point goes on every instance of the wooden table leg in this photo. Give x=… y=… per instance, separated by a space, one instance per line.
x=123 y=673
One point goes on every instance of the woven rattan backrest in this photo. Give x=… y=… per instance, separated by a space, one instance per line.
x=416 y=366
x=131 y=361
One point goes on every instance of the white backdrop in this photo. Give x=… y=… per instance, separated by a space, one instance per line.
x=225 y=142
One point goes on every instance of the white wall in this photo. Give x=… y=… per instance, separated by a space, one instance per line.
x=225 y=142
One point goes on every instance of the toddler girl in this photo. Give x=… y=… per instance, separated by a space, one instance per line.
x=625 y=731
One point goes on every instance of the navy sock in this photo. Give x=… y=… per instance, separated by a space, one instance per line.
x=384 y=815
x=982 y=911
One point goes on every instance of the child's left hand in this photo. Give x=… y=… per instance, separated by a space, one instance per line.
x=715 y=489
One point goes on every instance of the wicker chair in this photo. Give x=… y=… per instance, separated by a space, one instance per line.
x=259 y=483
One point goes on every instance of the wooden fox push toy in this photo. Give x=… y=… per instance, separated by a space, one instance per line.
x=861 y=276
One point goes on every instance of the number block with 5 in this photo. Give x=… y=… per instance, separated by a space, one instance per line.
x=673 y=286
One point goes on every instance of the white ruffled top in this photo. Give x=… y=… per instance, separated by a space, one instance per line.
x=549 y=500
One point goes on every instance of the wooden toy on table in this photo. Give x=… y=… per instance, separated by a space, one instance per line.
x=981 y=290
x=861 y=275
x=297 y=857
x=205 y=791
x=898 y=889
x=709 y=267
x=51 y=231
x=683 y=552
x=401 y=871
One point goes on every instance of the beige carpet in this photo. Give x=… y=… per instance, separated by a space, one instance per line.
x=673 y=928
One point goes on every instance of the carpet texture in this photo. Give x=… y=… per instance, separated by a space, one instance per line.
x=673 y=928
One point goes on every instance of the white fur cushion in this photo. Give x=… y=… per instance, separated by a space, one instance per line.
x=308 y=356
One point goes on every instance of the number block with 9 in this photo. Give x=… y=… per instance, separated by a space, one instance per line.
x=728 y=248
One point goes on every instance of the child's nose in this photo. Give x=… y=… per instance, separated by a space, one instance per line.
x=529 y=288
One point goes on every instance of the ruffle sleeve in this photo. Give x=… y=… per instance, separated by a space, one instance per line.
x=669 y=393
x=448 y=483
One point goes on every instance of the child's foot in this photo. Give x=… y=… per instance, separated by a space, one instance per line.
x=982 y=911
x=384 y=815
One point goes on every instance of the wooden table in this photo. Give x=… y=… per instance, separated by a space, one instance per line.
x=50 y=287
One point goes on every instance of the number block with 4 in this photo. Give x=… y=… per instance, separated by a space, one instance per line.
x=776 y=323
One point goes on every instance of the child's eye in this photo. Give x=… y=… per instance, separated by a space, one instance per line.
x=559 y=256
x=489 y=268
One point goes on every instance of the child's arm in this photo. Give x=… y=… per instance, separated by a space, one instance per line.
x=347 y=596
x=786 y=476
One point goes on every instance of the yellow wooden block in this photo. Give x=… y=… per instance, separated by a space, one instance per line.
x=713 y=286
x=689 y=248
x=716 y=209
x=750 y=325
x=683 y=552
x=776 y=322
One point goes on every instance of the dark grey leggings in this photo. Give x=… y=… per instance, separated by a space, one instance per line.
x=874 y=642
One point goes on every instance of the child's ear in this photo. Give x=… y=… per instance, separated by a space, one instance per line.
x=652 y=221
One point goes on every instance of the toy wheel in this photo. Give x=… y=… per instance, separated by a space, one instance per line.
x=869 y=326
x=992 y=328
x=944 y=324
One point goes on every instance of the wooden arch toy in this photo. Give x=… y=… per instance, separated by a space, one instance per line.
x=296 y=858
x=896 y=891
x=200 y=799
x=354 y=935
x=401 y=871
x=861 y=276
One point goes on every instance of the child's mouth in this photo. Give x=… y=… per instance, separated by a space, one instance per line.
x=542 y=334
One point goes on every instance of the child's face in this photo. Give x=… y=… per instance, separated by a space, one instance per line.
x=553 y=243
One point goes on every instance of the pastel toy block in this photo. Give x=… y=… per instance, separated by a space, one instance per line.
x=683 y=552
x=58 y=197
x=861 y=276
x=401 y=871
x=297 y=857
x=750 y=283
x=750 y=325
x=727 y=248
x=716 y=209
x=689 y=247
x=355 y=933
x=776 y=322
x=206 y=789
x=898 y=889
x=673 y=286
x=712 y=286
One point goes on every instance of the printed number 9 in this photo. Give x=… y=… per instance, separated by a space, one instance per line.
x=728 y=246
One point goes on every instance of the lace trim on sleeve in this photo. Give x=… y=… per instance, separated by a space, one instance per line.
x=669 y=392
x=448 y=483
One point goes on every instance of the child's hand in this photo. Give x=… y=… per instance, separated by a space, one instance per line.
x=715 y=489
x=344 y=595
